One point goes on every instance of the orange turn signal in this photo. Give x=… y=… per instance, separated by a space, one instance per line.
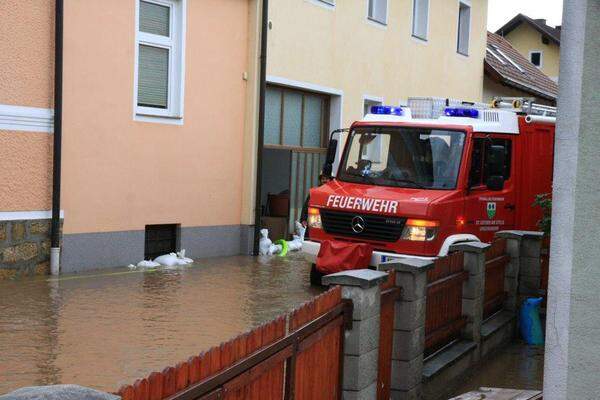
x=422 y=223
x=313 y=211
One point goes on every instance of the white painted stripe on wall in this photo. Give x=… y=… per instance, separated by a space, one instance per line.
x=27 y=215
x=30 y=119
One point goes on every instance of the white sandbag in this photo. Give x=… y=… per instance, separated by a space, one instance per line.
x=300 y=230
x=274 y=249
x=264 y=243
x=181 y=261
x=168 y=260
x=181 y=256
x=148 y=264
x=296 y=244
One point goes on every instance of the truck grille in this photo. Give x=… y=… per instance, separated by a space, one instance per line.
x=376 y=227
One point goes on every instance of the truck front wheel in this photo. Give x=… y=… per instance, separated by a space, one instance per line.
x=315 y=276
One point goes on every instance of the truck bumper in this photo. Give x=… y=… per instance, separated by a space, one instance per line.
x=310 y=250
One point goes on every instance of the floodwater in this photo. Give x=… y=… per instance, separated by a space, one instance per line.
x=109 y=328
x=516 y=366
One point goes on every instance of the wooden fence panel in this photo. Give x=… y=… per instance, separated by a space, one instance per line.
x=389 y=294
x=496 y=261
x=444 y=319
x=317 y=372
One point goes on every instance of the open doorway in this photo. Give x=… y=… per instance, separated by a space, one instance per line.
x=295 y=139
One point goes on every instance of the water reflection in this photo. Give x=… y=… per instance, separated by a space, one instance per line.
x=104 y=329
x=514 y=366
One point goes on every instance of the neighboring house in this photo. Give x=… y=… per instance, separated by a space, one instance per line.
x=156 y=96
x=26 y=102
x=536 y=40
x=329 y=61
x=509 y=74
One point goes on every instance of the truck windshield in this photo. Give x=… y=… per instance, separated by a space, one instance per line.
x=404 y=157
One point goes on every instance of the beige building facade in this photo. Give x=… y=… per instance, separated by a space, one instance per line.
x=329 y=61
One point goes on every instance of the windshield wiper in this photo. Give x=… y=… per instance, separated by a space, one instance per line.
x=363 y=178
x=411 y=182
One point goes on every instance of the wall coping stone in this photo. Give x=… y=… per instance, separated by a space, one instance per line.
x=520 y=234
x=412 y=265
x=494 y=324
x=470 y=247
x=364 y=278
x=447 y=358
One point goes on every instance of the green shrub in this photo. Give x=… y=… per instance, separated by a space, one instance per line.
x=544 y=201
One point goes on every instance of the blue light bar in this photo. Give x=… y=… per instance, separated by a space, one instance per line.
x=461 y=112
x=386 y=110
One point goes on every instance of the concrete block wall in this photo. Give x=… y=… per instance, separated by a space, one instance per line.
x=361 y=343
x=409 y=327
x=413 y=376
x=523 y=275
x=24 y=248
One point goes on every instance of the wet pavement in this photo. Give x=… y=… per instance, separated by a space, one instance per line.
x=108 y=328
x=516 y=366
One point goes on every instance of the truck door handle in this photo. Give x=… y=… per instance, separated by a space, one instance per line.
x=510 y=207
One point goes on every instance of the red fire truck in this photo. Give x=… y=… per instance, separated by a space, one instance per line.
x=414 y=180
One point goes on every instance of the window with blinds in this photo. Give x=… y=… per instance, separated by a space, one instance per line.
x=378 y=11
x=159 y=58
x=420 y=19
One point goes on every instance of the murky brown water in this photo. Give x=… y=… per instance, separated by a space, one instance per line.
x=109 y=328
x=517 y=366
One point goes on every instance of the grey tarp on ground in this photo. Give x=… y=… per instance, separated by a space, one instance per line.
x=58 y=392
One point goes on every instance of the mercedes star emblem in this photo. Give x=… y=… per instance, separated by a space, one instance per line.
x=358 y=224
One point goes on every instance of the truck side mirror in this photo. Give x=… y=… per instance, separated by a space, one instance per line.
x=330 y=158
x=495 y=167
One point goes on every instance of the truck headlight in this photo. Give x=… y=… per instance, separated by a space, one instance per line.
x=314 y=218
x=420 y=230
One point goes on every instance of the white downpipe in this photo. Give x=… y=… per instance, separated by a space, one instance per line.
x=55 y=261
x=538 y=118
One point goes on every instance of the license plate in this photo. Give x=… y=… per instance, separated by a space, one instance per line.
x=387 y=258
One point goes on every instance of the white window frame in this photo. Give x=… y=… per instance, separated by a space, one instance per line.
x=376 y=21
x=541 y=57
x=176 y=44
x=468 y=4
x=425 y=39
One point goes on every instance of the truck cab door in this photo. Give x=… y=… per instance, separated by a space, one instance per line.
x=489 y=210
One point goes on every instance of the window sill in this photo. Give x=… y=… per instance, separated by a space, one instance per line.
x=377 y=23
x=462 y=54
x=323 y=4
x=158 y=119
x=419 y=39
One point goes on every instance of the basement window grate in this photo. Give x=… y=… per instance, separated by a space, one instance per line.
x=160 y=239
